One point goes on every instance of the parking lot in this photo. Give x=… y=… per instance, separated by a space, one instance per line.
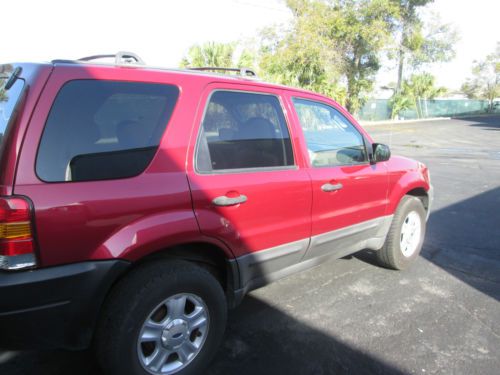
x=350 y=316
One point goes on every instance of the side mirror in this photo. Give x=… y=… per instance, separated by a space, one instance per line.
x=381 y=152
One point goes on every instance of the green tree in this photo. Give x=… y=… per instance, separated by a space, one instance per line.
x=331 y=42
x=5 y=72
x=420 y=43
x=222 y=55
x=485 y=81
x=399 y=102
x=437 y=43
x=297 y=57
x=246 y=59
x=3 y=95
x=210 y=54
x=421 y=87
x=361 y=29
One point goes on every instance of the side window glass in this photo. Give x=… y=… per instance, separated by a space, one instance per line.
x=243 y=130
x=9 y=100
x=331 y=139
x=99 y=130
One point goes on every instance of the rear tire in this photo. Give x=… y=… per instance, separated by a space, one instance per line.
x=406 y=235
x=166 y=317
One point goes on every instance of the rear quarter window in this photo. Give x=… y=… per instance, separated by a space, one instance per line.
x=9 y=100
x=99 y=130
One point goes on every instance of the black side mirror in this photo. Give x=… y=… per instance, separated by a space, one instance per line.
x=381 y=152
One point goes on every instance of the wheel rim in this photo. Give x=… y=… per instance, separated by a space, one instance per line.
x=173 y=334
x=411 y=231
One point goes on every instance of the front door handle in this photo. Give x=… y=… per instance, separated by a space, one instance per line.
x=331 y=187
x=226 y=201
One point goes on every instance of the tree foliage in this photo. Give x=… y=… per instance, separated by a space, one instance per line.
x=399 y=102
x=334 y=47
x=3 y=95
x=418 y=42
x=414 y=92
x=361 y=29
x=209 y=54
x=436 y=43
x=213 y=54
x=298 y=57
x=330 y=42
x=485 y=81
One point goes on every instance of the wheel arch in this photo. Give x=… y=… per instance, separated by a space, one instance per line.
x=422 y=195
x=205 y=254
x=411 y=184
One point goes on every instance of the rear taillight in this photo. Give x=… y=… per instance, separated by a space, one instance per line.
x=17 y=245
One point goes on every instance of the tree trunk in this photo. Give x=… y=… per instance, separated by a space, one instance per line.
x=349 y=103
x=401 y=56
x=352 y=102
x=417 y=106
x=400 y=70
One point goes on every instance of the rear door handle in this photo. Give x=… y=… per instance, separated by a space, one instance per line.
x=331 y=187
x=226 y=201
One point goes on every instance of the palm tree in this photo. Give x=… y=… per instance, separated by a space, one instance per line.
x=422 y=87
x=210 y=54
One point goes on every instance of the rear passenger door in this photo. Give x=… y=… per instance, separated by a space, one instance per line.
x=248 y=187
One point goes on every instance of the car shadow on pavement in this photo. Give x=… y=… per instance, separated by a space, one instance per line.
x=45 y=362
x=464 y=240
x=260 y=339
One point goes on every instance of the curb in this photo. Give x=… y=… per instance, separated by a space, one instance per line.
x=395 y=122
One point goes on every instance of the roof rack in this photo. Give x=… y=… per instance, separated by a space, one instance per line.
x=242 y=71
x=121 y=58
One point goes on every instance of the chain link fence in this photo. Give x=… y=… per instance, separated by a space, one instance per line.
x=380 y=109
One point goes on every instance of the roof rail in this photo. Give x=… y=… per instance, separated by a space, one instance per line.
x=242 y=71
x=121 y=58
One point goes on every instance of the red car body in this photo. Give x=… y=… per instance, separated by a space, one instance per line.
x=168 y=207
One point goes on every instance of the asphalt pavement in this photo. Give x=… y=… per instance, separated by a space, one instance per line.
x=349 y=316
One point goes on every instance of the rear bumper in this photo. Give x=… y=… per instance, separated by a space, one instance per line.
x=55 y=307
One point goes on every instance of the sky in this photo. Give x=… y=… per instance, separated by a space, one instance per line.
x=161 y=31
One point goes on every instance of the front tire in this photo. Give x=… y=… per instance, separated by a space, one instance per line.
x=406 y=235
x=166 y=317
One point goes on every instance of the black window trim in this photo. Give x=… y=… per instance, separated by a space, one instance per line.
x=104 y=80
x=366 y=162
x=241 y=170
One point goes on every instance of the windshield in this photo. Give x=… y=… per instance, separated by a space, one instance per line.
x=8 y=99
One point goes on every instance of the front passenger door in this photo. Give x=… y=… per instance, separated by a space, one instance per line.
x=349 y=193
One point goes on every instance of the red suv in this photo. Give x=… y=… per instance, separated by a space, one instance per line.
x=137 y=204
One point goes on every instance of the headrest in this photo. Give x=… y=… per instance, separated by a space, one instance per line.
x=257 y=128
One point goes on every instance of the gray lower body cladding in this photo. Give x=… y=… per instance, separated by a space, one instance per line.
x=263 y=267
